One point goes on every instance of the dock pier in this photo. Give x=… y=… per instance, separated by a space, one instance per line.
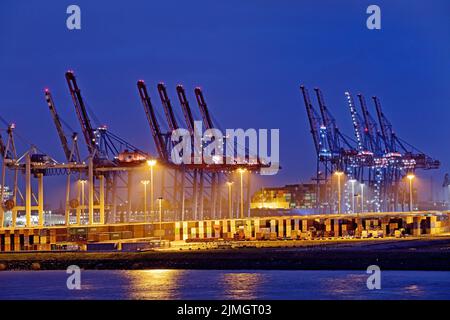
x=388 y=224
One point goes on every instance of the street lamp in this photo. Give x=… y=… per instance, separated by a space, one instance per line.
x=83 y=183
x=230 y=201
x=338 y=174
x=151 y=163
x=145 y=183
x=410 y=178
x=352 y=181
x=242 y=171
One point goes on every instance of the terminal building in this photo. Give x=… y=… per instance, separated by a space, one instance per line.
x=291 y=196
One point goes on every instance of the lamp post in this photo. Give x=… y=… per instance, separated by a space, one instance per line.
x=241 y=171
x=151 y=164
x=83 y=183
x=230 y=199
x=339 y=174
x=410 y=178
x=352 y=181
x=145 y=183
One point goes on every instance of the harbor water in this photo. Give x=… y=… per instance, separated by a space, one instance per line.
x=224 y=284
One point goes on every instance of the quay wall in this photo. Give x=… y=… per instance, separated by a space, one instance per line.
x=251 y=228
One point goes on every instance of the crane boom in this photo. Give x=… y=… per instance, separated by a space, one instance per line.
x=203 y=108
x=394 y=144
x=2 y=147
x=387 y=133
x=83 y=118
x=58 y=125
x=187 y=112
x=7 y=150
x=314 y=119
x=152 y=120
x=335 y=138
x=328 y=121
x=356 y=123
x=370 y=127
x=168 y=110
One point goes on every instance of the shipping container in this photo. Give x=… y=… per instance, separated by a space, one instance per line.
x=127 y=235
x=115 y=235
x=77 y=231
x=136 y=246
x=101 y=247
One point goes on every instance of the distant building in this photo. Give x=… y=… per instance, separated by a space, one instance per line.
x=292 y=196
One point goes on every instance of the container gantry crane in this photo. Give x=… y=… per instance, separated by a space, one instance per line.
x=373 y=138
x=178 y=195
x=335 y=151
x=71 y=154
x=214 y=178
x=400 y=157
x=110 y=158
x=325 y=164
x=163 y=144
x=200 y=175
x=31 y=164
x=379 y=157
x=189 y=120
x=370 y=171
x=343 y=151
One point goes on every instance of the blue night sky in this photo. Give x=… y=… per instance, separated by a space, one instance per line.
x=248 y=56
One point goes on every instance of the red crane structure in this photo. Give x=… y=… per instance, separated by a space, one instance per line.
x=109 y=167
x=203 y=179
x=112 y=162
x=72 y=152
x=194 y=173
x=178 y=193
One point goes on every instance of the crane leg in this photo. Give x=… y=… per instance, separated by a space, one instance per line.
x=129 y=188
x=201 y=187
x=41 y=199
x=28 y=190
x=91 y=192
x=102 y=199
x=194 y=195
x=67 y=206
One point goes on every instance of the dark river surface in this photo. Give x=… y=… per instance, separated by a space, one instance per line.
x=224 y=284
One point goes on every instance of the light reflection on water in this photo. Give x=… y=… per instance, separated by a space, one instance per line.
x=414 y=289
x=241 y=285
x=224 y=284
x=173 y=284
x=342 y=287
x=153 y=284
